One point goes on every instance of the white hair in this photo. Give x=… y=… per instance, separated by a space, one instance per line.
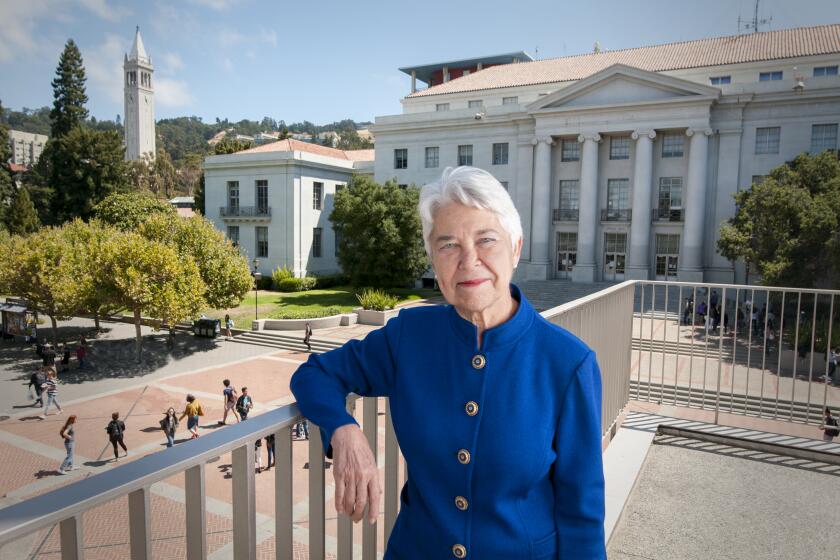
x=473 y=187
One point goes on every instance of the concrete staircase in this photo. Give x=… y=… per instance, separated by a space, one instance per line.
x=277 y=339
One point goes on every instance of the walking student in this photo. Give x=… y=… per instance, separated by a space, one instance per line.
x=244 y=404
x=116 y=431
x=169 y=425
x=229 y=396
x=36 y=380
x=51 y=389
x=269 y=447
x=81 y=352
x=192 y=411
x=829 y=426
x=307 y=336
x=48 y=356
x=67 y=433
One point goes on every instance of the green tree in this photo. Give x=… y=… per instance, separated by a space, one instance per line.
x=149 y=278
x=381 y=242
x=786 y=227
x=231 y=146
x=164 y=178
x=199 y=196
x=127 y=210
x=37 y=269
x=224 y=271
x=21 y=217
x=6 y=184
x=85 y=167
x=69 y=95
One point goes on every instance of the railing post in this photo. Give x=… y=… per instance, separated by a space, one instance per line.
x=371 y=431
x=244 y=504
x=139 y=524
x=71 y=538
x=317 y=545
x=392 y=460
x=284 y=546
x=195 y=505
x=345 y=523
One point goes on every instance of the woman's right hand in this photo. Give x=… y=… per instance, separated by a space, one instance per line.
x=356 y=474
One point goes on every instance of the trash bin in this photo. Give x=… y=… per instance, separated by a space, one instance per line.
x=209 y=328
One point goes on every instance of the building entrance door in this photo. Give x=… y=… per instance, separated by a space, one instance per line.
x=566 y=253
x=615 y=255
x=667 y=256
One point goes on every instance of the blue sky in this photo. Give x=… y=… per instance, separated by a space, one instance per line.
x=332 y=59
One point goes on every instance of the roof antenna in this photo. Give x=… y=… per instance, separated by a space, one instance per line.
x=537 y=52
x=755 y=22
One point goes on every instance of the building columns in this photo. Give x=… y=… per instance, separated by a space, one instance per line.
x=540 y=262
x=638 y=265
x=413 y=81
x=691 y=255
x=588 y=222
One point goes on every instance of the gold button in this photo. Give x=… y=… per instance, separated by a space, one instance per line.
x=471 y=408
x=461 y=503
x=459 y=551
x=478 y=361
x=463 y=456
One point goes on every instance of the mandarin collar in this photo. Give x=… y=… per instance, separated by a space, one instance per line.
x=501 y=335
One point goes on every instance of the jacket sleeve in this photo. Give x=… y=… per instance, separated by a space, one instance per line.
x=366 y=367
x=579 y=473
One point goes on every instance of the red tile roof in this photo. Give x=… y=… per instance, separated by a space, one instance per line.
x=292 y=145
x=17 y=168
x=736 y=49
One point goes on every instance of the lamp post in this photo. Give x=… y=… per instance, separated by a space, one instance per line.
x=257 y=277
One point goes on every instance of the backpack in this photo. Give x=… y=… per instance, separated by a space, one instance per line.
x=831 y=431
x=242 y=404
x=114 y=429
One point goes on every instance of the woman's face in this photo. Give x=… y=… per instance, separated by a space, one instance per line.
x=171 y=411
x=472 y=257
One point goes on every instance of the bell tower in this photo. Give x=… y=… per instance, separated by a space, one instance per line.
x=139 y=118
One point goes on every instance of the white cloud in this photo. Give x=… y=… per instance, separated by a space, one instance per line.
x=227 y=64
x=173 y=93
x=103 y=10
x=103 y=66
x=229 y=37
x=218 y=5
x=172 y=62
x=269 y=36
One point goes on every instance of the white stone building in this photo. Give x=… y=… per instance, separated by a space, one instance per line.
x=26 y=147
x=623 y=163
x=274 y=201
x=139 y=101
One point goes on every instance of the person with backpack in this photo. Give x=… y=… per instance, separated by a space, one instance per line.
x=244 y=404
x=229 y=396
x=67 y=433
x=116 y=430
x=829 y=426
x=192 y=412
x=307 y=336
x=169 y=425
x=36 y=380
x=48 y=356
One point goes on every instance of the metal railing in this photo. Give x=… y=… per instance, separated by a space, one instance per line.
x=620 y=215
x=565 y=214
x=748 y=350
x=245 y=211
x=666 y=215
x=602 y=320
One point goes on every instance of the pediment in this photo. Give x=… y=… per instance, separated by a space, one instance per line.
x=623 y=85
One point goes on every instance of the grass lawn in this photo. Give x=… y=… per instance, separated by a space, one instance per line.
x=342 y=298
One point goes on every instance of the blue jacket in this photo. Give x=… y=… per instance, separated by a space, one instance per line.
x=502 y=442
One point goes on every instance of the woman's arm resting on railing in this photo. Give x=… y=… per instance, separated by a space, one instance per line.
x=356 y=474
x=579 y=472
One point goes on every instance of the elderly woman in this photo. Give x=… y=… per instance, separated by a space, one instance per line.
x=497 y=411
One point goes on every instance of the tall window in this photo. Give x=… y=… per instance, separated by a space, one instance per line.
x=401 y=158
x=720 y=80
x=262 y=242
x=767 y=140
x=820 y=71
x=432 y=157
x=317 y=195
x=618 y=199
x=569 y=201
x=615 y=242
x=500 y=153
x=316 y=242
x=262 y=196
x=619 y=147
x=770 y=76
x=465 y=154
x=442 y=107
x=823 y=137
x=670 y=199
x=475 y=104
x=673 y=145
x=233 y=195
x=758 y=179
x=233 y=235
x=513 y=100
x=570 y=150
